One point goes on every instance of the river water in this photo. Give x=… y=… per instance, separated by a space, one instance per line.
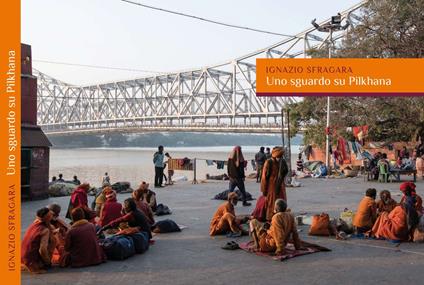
x=135 y=164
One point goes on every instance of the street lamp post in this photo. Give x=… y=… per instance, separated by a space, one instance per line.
x=334 y=25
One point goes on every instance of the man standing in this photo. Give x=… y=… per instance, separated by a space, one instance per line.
x=260 y=158
x=159 y=166
x=272 y=183
x=236 y=165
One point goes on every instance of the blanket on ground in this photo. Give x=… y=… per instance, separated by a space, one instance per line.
x=290 y=251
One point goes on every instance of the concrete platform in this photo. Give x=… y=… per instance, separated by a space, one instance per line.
x=192 y=257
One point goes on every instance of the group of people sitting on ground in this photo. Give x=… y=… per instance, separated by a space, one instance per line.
x=51 y=241
x=387 y=219
x=74 y=180
x=271 y=224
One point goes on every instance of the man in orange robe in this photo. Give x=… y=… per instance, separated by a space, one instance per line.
x=224 y=219
x=281 y=229
x=392 y=226
x=386 y=203
x=399 y=224
x=272 y=182
x=366 y=214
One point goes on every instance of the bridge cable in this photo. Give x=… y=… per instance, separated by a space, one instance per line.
x=209 y=21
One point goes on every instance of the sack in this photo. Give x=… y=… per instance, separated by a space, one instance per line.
x=141 y=242
x=118 y=247
x=165 y=226
x=162 y=210
x=320 y=225
x=347 y=217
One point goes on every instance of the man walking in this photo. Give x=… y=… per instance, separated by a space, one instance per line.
x=159 y=166
x=260 y=159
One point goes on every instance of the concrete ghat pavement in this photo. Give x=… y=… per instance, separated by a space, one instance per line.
x=192 y=257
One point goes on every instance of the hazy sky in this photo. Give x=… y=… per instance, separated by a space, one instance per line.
x=115 y=33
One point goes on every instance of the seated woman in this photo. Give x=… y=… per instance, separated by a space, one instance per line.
x=224 y=219
x=110 y=210
x=148 y=195
x=282 y=228
x=143 y=206
x=367 y=212
x=60 y=230
x=38 y=243
x=81 y=242
x=386 y=203
x=408 y=189
x=133 y=217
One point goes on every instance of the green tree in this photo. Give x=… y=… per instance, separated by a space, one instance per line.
x=389 y=29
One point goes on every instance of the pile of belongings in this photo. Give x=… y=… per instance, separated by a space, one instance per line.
x=224 y=195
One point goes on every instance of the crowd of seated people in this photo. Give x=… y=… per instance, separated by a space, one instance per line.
x=387 y=219
x=49 y=240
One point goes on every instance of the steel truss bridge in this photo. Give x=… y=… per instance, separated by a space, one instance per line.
x=218 y=98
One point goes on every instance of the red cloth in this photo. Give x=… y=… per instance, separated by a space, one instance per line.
x=111 y=211
x=260 y=210
x=79 y=198
x=30 y=247
x=341 y=147
x=81 y=243
x=408 y=185
x=357 y=130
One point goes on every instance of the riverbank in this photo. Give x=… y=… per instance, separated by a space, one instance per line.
x=135 y=164
x=192 y=257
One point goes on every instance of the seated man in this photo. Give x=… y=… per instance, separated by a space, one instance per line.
x=148 y=195
x=81 y=242
x=101 y=199
x=399 y=224
x=276 y=237
x=110 y=210
x=79 y=199
x=133 y=217
x=386 y=203
x=224 y=219
x=143 y=206
x=367 y=212
x=60 y=230
x=38 y=243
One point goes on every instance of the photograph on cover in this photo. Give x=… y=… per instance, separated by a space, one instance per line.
x=222 y=142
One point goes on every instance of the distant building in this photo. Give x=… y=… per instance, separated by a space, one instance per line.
x=35 y=146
